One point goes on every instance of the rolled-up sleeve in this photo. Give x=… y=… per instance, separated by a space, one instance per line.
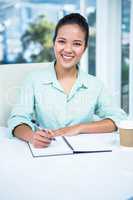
x=23 y=110
x=107 y=108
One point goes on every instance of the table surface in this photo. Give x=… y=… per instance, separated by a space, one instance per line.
x=92 y=176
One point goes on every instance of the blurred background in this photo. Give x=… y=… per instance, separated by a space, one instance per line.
x=26 y=32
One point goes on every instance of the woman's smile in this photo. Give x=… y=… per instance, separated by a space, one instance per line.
x=67 y=57
x=69 y=46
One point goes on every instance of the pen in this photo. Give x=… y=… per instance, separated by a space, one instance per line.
x=43 y=129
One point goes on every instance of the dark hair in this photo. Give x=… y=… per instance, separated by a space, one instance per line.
x=73 y=18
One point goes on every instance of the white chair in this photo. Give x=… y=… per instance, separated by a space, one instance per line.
x=11 y=77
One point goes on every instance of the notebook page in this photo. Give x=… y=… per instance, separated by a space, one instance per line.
x=57 y=147
x=91 y=142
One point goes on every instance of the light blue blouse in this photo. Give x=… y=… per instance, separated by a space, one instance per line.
x=42 y=98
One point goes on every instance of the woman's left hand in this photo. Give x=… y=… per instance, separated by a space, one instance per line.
x=67 y=131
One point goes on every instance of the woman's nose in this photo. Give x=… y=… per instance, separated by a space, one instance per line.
x=68 y=47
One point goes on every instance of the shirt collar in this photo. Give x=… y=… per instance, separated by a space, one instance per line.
x=50 y=74
x=82 y=80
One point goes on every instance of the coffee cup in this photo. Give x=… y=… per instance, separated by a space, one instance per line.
x=126 y=133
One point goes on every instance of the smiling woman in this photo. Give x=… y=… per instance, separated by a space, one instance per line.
x=70 y=42
x=69 y=46
x=62 y=98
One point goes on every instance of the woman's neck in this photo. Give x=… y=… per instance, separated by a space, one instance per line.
x=62 y=73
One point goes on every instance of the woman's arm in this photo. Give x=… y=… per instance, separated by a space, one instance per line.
x=103 y=126
x=39 y=139
x=23 y=132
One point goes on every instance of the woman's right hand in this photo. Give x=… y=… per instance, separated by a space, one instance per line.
x=41 y=139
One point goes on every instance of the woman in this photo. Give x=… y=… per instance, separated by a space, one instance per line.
x=61 y=98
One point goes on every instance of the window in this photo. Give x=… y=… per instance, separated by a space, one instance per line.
x=26 y=29
x=91 y=13
x=125 y=54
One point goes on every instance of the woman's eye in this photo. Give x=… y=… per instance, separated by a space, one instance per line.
x=61 y=41
x=77 y=44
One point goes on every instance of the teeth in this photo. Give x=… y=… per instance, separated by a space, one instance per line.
x=67 y=57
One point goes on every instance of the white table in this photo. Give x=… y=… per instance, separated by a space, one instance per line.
x=96 y=176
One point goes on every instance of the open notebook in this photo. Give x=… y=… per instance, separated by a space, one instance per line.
x=84 y=143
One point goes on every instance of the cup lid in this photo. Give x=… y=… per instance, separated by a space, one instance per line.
x=126 y=124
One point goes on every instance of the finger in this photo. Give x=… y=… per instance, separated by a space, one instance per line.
x=58 y=133
x=43 y=134
x=51 y=133
x=42 y=138
x=46 y=133
x=39 y=144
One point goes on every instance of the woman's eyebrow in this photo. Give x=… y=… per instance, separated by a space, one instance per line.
x=61 y=38
x=78 y=40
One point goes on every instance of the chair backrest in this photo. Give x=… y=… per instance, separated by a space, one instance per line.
x=11 y=77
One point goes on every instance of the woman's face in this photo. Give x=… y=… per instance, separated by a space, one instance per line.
x=69 y=45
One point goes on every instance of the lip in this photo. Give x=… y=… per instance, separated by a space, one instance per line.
x=67 y=57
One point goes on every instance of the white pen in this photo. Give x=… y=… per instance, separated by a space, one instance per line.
x=42 y=129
